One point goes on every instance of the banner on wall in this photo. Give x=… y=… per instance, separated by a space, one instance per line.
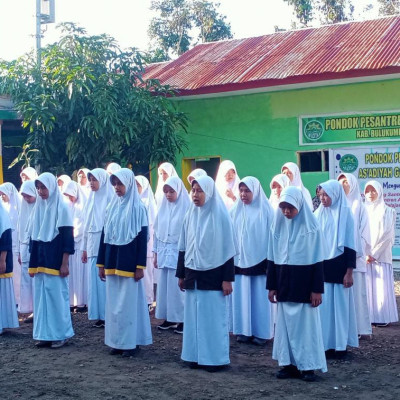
x=372 y=163
x=349 y=128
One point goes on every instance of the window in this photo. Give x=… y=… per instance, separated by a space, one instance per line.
x=209 y=163
x=313 y=161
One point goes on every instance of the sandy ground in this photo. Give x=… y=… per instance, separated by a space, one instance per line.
x=85 y=370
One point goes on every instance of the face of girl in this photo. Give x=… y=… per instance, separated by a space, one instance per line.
x=288 y=210
x=120 y=188
x=371 y=194
x=198 y=196
x=170 y=193
x=24 y=177
x=72 y=199
x=230 y=175
x=276 y=189
x=29 y=199
x=326 y=201
x=246 y=195
x=82 y=180
x=288 y=173
x=93 y=183
x=60 y=182
x=345 y=183
x=139 y=187
x=43 y=192
x=164 y=175
x=4 y=197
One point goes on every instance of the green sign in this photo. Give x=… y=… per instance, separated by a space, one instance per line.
x=352 y=128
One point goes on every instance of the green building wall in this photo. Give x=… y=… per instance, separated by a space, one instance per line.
x=260 y=132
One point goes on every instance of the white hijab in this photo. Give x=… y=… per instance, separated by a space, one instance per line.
x=126 y=214
x=48 y=215
x=65 y=179
x=196 y=173
x=28 y=187
x=170 y=216
x=73 y=189
x=296 y=241
x=297 y=182
x=85 y=188
x=362 y=237
x=13 y=207
x=95 y=211
x=147 y=198
x=336 y=221
x=170 y=170
x=222 y=185
x=382 y=220
x=5 y=222
x=30 y=172
x=283 y=181
x=207 y=236
x=251 y=223
x=112 y=168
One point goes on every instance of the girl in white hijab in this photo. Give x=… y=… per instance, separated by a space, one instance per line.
x=11 y=200
x=295 y=280
x=147 y=197
x=339 y=321
x=62 y=182
x=252 y=312
x=227 y=183
x=112 y=167
x=83 y=182
x=51 y=232
x=165 y=170
x=167 y=228
x=95 y=214
x=380 y=282
x=29 y=194
x=122 y=258
x=205 y=270
x=196 y=173
x=77 y=269
x=362 y=241
x=8 y=314
x=278 y=183
x=291 y=170
x=28 y=174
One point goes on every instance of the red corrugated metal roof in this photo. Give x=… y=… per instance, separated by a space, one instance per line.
x=337 y=51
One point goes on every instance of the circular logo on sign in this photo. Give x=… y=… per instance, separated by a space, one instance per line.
x=313 y=130
x=348 y=163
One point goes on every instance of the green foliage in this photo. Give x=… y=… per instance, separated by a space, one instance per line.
x=178 y=20
x=389 y=7
x=303 y=10
x=88 y=104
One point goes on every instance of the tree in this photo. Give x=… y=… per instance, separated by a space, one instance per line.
x=88 y=104
x=389 y=7
x=303 y=10
x=174 y=29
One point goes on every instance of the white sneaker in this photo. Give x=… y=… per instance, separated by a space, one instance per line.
x=58 y=343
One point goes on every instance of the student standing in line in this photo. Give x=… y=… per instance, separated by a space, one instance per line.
x=8 y=311
x=52 y=241
x=278 y=183
x=165 y=170
x=28 y=174
x=380 y=281
x=196 y=173
x=295 y=281
x=95 y=214
x=121 y=260
x=112 y=167
x=29 y=195
x=206 y=271
x=362 y=241
x=167 y=228
x=150 y=275
x=227 y=183
x=83 y=182
x=11 y=200
x=253 y=314
x=338 y=314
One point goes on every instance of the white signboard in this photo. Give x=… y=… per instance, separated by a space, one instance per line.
x=372 y=163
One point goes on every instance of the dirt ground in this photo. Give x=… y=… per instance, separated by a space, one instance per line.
x=85 y=370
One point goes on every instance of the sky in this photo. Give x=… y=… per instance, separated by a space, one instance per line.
x=127 y=20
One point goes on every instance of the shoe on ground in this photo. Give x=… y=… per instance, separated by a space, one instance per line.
x=340 y=354
x=59 y=343
x=194 y=365
x=329 y=354
x=43 y=343
x=382 y=325
x=99 y=324
x=259 y=341
x=72 y=309
x=243 y=339
x=29 y=319
x=213 y=368
x=130 y=353
x=167 y=325
x=308 y=376
x=288 y=371
x=150 y=307
x=82 y=309
x=179 y=329
x=114 y=352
